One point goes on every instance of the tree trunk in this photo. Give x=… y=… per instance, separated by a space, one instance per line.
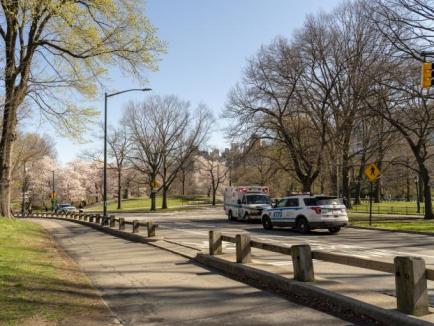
x=346 y=191
x=407 y=187
x=421 y=189
x=6 y=145
x=307 y=185
x=358 y=198
x=119 y=189
x=378 y=185
x=153 y=201
x=183 y=182
x=213 y=196
x=164 y=204
x=424 y=175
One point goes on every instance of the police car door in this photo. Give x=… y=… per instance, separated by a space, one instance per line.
x=279 y=211
x=291 y=211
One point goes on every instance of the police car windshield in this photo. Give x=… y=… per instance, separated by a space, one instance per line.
x=258 y=199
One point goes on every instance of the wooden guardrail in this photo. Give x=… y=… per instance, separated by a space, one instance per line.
x=109 y=222
x=410 y=273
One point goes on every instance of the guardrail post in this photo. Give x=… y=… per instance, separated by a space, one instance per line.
x=151 y=229
x=80 y=217
x=215 y=242
x=112 y=221
x=411 y=287
x=242 y=242
x=121 y=224
x=136 y=226
x=302 y=263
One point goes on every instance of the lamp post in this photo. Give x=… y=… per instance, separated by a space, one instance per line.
x=106 y=96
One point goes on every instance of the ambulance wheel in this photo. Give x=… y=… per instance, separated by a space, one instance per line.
x=246 y=217
x=302 y=225
x=266 y=223
x=334 y=230
x=230 y=216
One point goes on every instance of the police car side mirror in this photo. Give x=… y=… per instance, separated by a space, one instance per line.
x=239 y=201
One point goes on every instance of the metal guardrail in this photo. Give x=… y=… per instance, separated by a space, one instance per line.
x=410 y=273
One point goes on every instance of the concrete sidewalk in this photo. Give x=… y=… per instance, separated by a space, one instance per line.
x=144 y=285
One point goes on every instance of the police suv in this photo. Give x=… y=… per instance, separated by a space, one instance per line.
x=307 y=212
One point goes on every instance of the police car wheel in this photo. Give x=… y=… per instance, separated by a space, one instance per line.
x=303 y=225
x=266 y=223
x=334 y=230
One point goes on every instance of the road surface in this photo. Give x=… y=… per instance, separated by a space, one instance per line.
x=191 y=229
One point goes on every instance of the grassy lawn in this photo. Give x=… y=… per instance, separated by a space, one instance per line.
x=390 y=207
x=39 y=285
x=418 y=225
x=142 y=203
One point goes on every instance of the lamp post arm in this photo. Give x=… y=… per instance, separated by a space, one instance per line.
x=130 y=90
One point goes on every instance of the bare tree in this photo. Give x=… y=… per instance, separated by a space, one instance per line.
x=407 y=24
x=267 y=105
x=164 y=137
x=213 y=166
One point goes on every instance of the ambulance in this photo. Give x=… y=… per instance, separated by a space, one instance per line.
x=246 y=202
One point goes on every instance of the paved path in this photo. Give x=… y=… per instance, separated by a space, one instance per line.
x=144 y=285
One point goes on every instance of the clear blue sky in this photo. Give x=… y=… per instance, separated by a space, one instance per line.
x=208 y=44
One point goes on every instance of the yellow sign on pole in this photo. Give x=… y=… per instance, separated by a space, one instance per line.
x=372 y=172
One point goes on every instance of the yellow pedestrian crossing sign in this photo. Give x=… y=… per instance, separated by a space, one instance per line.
x=372 y=172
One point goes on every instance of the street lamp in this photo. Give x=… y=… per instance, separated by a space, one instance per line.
x=106 y=96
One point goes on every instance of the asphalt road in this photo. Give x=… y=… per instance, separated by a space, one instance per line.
x=191 y=229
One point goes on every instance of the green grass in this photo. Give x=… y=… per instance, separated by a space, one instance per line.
x=419 y=225
x=38 y=284
x=389 y=207
x=141 y=203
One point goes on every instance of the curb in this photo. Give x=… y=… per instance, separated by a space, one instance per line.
x=388 y=230
x=308 y=294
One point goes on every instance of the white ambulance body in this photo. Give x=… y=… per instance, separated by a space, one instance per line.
x=246 y=202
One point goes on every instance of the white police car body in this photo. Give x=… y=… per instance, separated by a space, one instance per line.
x=306 y=212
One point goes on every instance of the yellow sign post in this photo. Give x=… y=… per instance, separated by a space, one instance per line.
x=372 y=172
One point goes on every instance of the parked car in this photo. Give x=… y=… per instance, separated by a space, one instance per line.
x=307 y=212
x=65 y=208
